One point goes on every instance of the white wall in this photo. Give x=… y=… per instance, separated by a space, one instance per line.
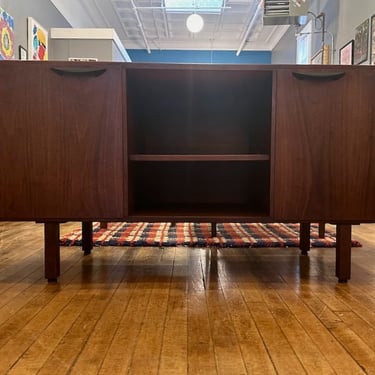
x=342 y=17
x=352 y=13
x=42 y=10
x=285 y=51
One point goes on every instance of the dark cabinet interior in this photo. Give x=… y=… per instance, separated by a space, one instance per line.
x=221 y=189
x=199 y=142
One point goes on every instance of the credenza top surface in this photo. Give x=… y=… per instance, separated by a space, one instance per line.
x=195 y=66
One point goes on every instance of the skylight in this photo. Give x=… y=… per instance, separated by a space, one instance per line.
x=203 y=6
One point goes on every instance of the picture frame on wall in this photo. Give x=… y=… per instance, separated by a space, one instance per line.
x=361 y=41
x=6 y=35
x=346 y=53
x=372 y=40
x=317 y=58
x=321 y=57
x=37 y=40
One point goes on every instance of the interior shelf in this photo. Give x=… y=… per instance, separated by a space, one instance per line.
x=207 y=213
x=194 y=157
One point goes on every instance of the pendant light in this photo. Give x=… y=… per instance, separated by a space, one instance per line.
x=194 y=23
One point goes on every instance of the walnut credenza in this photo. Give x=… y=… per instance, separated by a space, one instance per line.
x=162 y=142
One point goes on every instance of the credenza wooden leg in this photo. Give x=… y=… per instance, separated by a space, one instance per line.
x=213 y=230
x=52 y=251
x=304 y=238
x=322 y=230
x=87 y=243
x=343 y=252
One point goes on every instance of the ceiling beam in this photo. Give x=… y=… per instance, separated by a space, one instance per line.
x=140 y=25
x=250 y=27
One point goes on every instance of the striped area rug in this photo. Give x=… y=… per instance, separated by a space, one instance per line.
x=199 y=235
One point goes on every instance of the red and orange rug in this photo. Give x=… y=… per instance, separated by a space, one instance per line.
x=199 y=235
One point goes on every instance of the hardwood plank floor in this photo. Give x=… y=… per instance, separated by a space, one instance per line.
x=184 y=310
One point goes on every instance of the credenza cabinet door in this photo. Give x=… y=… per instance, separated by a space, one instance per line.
x=324 y=159
x=61 y=143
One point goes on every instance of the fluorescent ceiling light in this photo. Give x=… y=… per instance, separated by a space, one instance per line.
x=201 y=6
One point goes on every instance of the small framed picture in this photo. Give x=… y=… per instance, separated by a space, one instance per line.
x=361 y=42
x=321 y=57
x=372 y=41
x=22 y=53
x=346 y=53
x=37 y=37
x=317 y=58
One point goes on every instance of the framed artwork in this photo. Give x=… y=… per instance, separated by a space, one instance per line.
x=87 y=59
x=346 y=53
x=317 y=58
x=37 y=39
x=361 y=42
x=22 y=53
x=321 y=57
x=372 y=40
x=6 y=36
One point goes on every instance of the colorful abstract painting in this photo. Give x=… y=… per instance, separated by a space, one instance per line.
x=6 y=36
x=37 y=40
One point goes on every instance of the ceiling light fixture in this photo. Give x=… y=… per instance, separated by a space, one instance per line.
x=194 y=23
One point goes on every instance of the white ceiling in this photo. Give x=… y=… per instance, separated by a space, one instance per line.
x=145 y=24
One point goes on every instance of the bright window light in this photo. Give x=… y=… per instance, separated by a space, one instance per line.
x=203 y=6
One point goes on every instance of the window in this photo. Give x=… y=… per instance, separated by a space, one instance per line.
x=304 y=45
